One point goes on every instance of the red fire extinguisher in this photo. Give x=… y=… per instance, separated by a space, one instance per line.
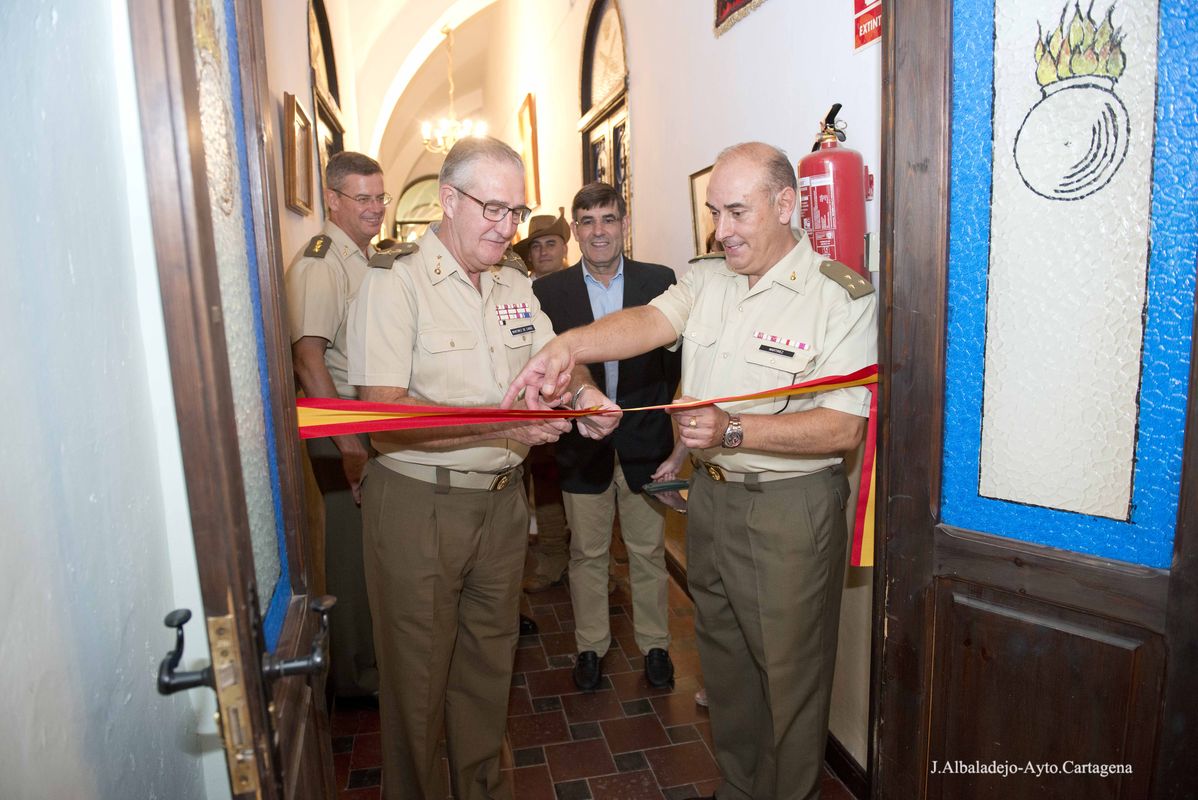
x=834 y=184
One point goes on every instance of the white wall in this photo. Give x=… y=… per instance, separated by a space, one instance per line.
x=96 y=539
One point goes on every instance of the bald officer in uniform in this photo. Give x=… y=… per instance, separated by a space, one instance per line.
x=766 y=532
x=320 y=284
x=445 y=516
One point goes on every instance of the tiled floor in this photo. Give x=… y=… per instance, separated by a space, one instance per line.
x=626 y=740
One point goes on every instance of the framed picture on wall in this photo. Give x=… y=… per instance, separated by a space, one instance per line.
x=297 y=156
x=700 y=216
x=730 y=12
x=528 y=151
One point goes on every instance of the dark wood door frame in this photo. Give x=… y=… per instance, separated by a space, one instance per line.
x=913 y=545
x=167 y=89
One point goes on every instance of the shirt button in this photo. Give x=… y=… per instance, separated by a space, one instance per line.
x=492 y=349
x=724 y=355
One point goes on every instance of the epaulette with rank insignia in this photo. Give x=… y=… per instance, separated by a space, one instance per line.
x=318 y=246
x=852 y=282
x=512 y=259
x=718 y=254
x=385 y=259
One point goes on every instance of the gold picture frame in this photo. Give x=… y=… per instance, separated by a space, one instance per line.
x=527 y=123
x=297 y=156
x=701 y=221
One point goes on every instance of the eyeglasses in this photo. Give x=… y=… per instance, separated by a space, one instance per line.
x=367 y=199
x=497 y=211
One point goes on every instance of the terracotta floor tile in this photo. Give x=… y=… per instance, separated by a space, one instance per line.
x=345 y=722
x=591 y=706
x=558 y=644
x=585 y=730
x=368 y=751
x=679 y=708
x=537 y=729
x=547 y=622
x=633 y=686
x=682 y=627
x=530 y=659
x=576 y=760
x=626 y=786
x=614 y=661
x=518 y=702
x=621 y=625
x=554 y=595
x=532 y=783
x=565 y=612
x=550 y=682
x=704 y=729
x=341 y=769
x=686 y=663
x=634 y=733
x=370 y=722
x=682 y=763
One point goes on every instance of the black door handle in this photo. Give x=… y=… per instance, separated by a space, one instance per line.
x=170 y=681
x=274 y=667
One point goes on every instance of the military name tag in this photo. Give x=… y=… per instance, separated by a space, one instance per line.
x=523 y=329
x=778 y=351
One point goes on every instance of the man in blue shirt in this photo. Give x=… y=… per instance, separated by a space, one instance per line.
x=599 y=477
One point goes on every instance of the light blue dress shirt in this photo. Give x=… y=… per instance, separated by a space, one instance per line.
x=606 y=300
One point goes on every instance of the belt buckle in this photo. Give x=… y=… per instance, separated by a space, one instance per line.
x=500 y=481
x=713 y=472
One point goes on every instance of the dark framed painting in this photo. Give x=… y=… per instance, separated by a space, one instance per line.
x=297 y=156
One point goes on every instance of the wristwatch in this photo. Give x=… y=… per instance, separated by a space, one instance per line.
x=734 y=434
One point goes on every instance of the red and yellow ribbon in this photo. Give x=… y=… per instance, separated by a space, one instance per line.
x=320 y=416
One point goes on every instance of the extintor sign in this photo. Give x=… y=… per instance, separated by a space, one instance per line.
x=867 y=22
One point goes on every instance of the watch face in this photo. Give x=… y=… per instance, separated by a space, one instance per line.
x=734 y=435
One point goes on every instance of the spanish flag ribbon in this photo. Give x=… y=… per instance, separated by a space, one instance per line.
x=321 y=416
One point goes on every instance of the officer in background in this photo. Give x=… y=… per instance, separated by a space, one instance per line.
x=766 y=534
x=446 y=522
x=321 y=282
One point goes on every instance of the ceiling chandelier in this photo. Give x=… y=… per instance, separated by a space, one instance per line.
x=440 y=136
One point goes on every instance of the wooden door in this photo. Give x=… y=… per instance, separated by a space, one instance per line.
x=208 y=143
x=992 y=650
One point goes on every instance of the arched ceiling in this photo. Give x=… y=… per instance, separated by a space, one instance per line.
x=391 y=42
x=426 y=96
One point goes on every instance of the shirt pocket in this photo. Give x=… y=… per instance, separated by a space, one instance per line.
x=771 y=366
x=452 y=361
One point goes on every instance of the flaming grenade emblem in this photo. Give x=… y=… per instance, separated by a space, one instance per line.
x=1074 y=139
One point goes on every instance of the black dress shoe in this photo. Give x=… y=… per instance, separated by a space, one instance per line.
x=659 y=669
x=528 y=626
x=588 y=671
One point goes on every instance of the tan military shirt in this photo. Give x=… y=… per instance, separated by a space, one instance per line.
x=422 y=325
x=794 y=325
x=319 y=289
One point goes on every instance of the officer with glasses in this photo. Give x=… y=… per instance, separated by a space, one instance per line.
x=446 y=518
x=320 y=284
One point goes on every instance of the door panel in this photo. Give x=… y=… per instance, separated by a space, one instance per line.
x=211 y=193
x=1016 y=680
x=999 y=648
